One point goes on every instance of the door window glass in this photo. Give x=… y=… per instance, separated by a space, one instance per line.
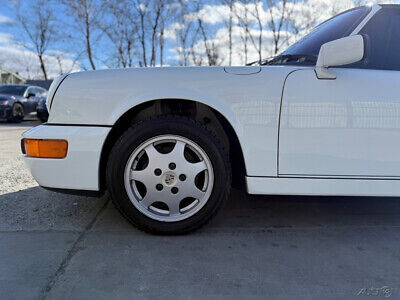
x=392 y=57
x=382 y=42
x=332 y=29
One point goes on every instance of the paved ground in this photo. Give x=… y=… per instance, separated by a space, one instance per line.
x=66 y=247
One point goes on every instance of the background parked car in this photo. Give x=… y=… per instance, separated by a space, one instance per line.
x=41 y=110
x=19 y=100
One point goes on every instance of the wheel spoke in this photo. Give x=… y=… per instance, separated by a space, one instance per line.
x=152 y=152
x=179 y=149
x=198 y=167
x=141 y=175
x=173 y=206
x=197 y=193
x=149 y=199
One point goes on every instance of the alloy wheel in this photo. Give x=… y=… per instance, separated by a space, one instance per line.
x=169 y=178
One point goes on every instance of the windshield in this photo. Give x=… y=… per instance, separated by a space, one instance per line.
x=335 y=28
x=17 y=90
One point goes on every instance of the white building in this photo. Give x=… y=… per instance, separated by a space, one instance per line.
x=8 y=77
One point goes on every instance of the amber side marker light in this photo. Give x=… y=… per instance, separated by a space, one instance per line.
x=45 y=148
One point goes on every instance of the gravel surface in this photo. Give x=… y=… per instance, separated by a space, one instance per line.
x=14 y=175
x=26 y=206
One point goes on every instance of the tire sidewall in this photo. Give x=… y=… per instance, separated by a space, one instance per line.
x=17 y=119
x=146 y=130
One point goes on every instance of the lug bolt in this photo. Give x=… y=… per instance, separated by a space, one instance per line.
x=159 y=187
x=157 y=172
x=172 y=166
x=174 y=190
x=182 y=177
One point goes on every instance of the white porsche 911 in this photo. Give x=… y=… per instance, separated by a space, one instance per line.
x=322 y=118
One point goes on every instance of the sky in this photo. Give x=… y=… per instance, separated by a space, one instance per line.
x=58 y=60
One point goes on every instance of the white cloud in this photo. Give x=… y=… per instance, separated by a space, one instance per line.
x=5 y=38
x=171 y=31
x=6 y=20
x=211 y=14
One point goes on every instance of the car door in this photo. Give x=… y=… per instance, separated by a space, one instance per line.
x=40 y=93
x=29 y=102
x=349 y=126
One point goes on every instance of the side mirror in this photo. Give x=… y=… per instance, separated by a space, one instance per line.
x=339 y=52
x=30 y=95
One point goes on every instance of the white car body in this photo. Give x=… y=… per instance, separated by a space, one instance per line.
x=298 y=134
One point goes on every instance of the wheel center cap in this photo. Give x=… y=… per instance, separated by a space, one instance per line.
x=169 y=179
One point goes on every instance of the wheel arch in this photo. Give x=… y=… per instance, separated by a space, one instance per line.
x=213 y=119
x=18 y=102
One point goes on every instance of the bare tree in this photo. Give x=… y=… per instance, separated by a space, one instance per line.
x=196 y=58
x=182 y=29
x=158 y=10
x=120 y=26
x=209 y=46
x=148 y=26
x=278 y=13
x=202 y=48
x=86 y=14
x=256 y=17
x=161 y=43
x=61 y=58
x=229 y=23
x=152 y=17
x=257 y=14
x=243 y=18
x=39 y=28
x=141 y=7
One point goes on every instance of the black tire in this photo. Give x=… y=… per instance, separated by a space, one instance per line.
x=17 y=113
x=137 y=134
x=43 y=116
x=43 y=119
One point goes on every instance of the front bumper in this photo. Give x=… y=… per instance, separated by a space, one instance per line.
x=5 y=112
x=79 y=170
x=42 y=114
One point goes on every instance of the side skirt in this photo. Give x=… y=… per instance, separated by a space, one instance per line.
x=323 y=186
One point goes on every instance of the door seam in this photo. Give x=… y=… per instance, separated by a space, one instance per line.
x=279 y=118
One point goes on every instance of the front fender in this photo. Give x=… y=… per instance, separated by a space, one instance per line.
x=250 y=103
